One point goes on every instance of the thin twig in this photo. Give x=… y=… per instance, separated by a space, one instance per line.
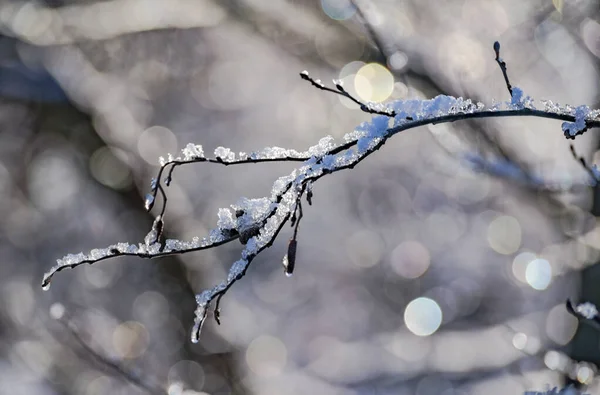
x=109 y=363
x=368 y=108
x=502 y=65
x=583 y=163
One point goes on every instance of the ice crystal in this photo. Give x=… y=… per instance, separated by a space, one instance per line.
x=154 y=233
x=325 y=145
x=226 y=220
x=587 y=310
x=236 y=269
x=149 y=201
x=516 y=99
x=573 y=128
x=192 y=151
x=225 y=154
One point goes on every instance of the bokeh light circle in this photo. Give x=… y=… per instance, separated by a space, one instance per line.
x=374 y=83
x=504 y=235
x=266 y=356
x=423 y=316
x=538 y=274
x=130 y=339
x=410 y=259
x=339 y=10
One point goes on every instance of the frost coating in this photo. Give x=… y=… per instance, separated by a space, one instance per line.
x=148 y=201
x=587 y=310
x=573 y=128
x=224 y=154
x=192 y=152
x=256 y=222
x=226 y=220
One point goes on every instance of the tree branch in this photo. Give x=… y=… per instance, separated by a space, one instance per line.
x=257 y=222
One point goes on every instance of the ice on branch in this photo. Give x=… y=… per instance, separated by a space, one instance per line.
x=192 y=152
x=518 y=101
x=574 y=128
x=226 y=220
x=587 y=310
x=225 y=154
x=149 y=201
x=256 y=223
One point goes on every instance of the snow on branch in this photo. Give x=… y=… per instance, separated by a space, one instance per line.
x=256 y=223
x=586 y=312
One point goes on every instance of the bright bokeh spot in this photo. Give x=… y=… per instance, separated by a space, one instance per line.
x=266 y=356
x=504 y=235
x=585 y=374
x=374 y=83
x=519 y=265
x=410 y=259
x=519 y=341
x=538 y=274
x=130 y=339
x=185 y=374
x=338 y=9
x=423 y=316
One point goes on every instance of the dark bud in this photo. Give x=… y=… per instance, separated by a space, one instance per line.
x=309 y=196
x=218 y=316
x=497 y=48
x=229 y=233
x=290 y=262
x=248 y=234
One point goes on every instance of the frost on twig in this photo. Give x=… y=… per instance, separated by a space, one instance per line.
x=586 y=312
x=256 y=223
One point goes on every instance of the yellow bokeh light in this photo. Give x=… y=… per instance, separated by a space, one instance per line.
x=504 y=235
x=130 y=339
x=374 y=83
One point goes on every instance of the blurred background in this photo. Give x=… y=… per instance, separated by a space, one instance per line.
x=415 y=274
